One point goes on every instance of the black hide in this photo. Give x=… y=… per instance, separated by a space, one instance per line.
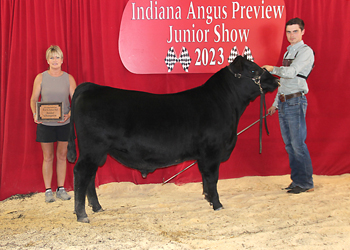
x=148 y=131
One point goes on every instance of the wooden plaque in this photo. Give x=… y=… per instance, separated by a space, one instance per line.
x=49 y=111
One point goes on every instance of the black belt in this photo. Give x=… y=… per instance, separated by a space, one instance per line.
x=283 y=97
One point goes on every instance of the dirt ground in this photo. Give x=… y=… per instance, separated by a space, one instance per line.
x=257 y=214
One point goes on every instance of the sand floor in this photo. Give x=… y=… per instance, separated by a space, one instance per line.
x=257 y=214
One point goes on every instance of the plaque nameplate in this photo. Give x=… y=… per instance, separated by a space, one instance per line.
x=49 y=111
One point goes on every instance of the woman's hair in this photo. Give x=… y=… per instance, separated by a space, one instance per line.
x=53 y=49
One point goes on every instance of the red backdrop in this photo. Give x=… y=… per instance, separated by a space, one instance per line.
x=87 y=32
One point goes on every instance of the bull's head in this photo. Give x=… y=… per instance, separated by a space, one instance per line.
x=241 y=67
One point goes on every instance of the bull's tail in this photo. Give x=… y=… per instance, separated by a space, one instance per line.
x=72 y=152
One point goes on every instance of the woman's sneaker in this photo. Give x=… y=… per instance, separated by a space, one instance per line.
x=49 y=196
x=62 y=194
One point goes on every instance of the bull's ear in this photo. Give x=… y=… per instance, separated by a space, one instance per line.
x=237 y=64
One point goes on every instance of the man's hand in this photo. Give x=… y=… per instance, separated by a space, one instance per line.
x=269 y=68
x=271 y=110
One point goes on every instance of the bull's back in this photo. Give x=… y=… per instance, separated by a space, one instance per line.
x=136 y=116
x=138 y=112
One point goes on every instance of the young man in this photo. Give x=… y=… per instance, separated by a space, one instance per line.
x=291 y=103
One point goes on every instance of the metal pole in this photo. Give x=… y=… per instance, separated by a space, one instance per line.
x=251 y=125
x=164 y=182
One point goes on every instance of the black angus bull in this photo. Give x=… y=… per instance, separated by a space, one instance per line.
x=148 y=131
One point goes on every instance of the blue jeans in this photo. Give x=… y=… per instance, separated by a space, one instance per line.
x=293 y=128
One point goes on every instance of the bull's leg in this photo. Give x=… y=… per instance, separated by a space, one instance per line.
x=84 y=171
x=210 y=176
x=92 y=196
x=205 y=188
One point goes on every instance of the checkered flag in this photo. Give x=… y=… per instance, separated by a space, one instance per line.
x=247 y=52
x=185 y=59
x=171 y=59
x=234 y=53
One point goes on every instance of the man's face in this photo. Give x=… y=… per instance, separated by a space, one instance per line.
x=294 y=34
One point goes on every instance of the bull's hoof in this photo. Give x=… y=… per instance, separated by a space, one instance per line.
x=219 y=208
x=84 y=220
x=99 y=210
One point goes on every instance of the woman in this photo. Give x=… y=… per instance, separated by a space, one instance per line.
x=53 y=85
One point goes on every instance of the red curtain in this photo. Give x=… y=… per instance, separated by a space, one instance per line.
x=87 y=32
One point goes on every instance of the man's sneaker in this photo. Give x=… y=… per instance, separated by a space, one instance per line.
x=62 y=194
x=49 y=196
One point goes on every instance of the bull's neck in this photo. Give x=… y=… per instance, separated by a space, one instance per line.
x=230 y=90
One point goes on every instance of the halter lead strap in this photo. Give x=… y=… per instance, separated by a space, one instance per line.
x=256 y=80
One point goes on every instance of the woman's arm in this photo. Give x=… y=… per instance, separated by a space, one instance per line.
x=36 y=94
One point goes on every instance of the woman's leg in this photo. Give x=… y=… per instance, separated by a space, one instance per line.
x=61 y=169
x=47 y=168
x=61 y=162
